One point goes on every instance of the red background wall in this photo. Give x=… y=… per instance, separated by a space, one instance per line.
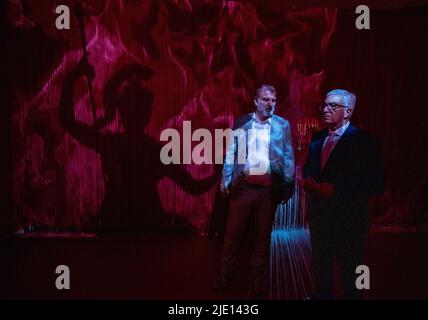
x=207 y=59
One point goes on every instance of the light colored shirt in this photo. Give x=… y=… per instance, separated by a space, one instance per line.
x=330 y=143
x=337 y=134
x=257 y=166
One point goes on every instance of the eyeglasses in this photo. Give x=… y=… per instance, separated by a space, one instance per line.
x=331 y=106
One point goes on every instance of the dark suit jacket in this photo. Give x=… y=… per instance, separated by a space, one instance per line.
x=355 y=168
x=281 y=155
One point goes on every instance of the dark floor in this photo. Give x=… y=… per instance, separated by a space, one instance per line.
x=178 y=267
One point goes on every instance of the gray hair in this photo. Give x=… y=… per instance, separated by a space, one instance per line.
x=266 y=87
x=349 y=97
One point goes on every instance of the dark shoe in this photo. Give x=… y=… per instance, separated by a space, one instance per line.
x=222 y=282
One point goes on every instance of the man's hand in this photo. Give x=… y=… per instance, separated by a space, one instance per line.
x=287 y=193
x=309 y=184
x=325 y=190
x=224 y=189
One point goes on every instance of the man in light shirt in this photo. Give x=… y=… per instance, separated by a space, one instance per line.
x=258 y=173
x=343 y=171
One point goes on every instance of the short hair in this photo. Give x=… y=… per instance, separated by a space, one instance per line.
x=266 y=87
x=350 y=97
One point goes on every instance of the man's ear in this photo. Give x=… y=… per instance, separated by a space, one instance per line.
x=255 y=101
x=349 y=112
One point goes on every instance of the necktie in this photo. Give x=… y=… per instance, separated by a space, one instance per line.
x=327 y=149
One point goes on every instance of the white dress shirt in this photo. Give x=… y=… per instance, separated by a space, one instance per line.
x=257 y=166
x=331 y=141
x=337 y=134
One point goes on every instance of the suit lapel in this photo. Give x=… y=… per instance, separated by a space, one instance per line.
x=340 y=146
x=272 y=134
x=318 y=149
x=247 y=124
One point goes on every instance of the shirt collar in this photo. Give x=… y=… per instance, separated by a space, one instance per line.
x=340 y=131
x=267 y=121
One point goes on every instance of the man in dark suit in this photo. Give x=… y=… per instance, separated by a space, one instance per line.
x=343 y=171
x=257 y=174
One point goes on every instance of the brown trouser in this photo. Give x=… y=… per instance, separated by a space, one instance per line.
x=247 y=200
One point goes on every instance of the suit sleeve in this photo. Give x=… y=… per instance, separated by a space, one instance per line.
x=289 y=166
x=229 y=161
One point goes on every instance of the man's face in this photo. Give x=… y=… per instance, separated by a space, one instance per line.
x=335 y=114
x=265 y=104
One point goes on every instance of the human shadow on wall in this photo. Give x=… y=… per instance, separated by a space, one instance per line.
x=130 y=159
